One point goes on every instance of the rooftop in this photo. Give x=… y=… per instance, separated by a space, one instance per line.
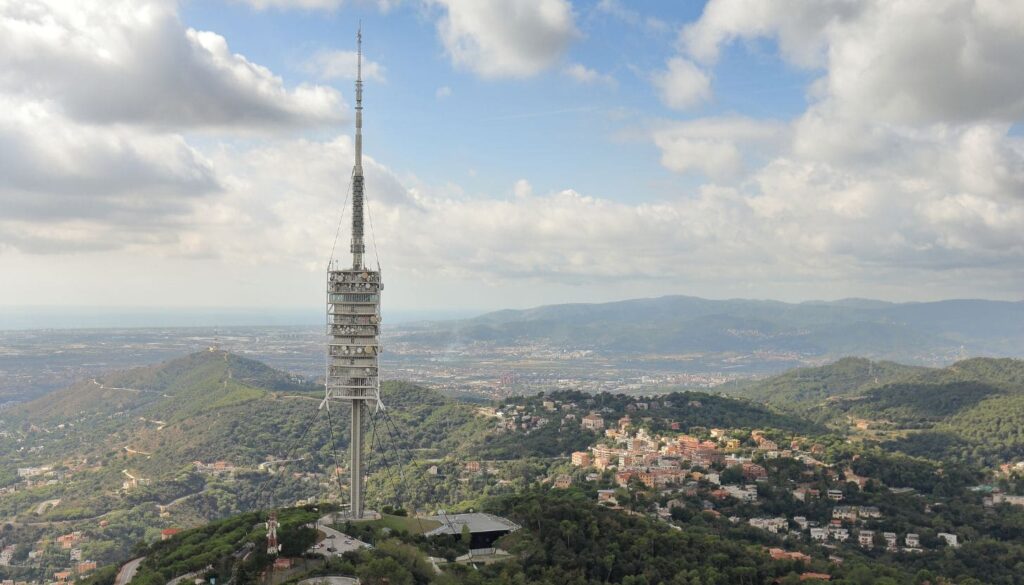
x=477 y=522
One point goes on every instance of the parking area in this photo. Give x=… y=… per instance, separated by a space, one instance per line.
x=336 y=543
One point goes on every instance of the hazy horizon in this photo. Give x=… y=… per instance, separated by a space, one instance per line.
x=64 y=317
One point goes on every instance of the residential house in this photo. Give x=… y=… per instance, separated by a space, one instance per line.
x=773 y=525
x=593 y=422
x=783 y=555
x=869 y=512
x=890 y=540
x=581 y=459
x=840 y=534
x=754 y=472
x=744 y=494
x=845 y=513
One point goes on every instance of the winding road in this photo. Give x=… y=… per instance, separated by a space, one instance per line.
x=127 y=572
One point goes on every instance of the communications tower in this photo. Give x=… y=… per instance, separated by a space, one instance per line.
x=272 y=546
x=353 y=319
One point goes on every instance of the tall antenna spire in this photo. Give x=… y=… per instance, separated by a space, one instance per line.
x=358 y=247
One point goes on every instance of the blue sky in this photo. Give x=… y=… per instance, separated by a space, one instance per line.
x=163 y=153
x=489 y=133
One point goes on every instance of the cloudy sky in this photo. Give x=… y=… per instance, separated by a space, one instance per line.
x=196 y=153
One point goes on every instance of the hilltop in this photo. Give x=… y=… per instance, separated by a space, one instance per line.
x=908 y=332
x=971 y=411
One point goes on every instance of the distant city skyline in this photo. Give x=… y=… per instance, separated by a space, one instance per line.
x=519 y=152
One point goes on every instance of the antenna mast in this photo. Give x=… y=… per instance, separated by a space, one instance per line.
x=358 y=247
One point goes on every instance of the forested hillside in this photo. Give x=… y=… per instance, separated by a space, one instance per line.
x=137 y=448
x=971 y=411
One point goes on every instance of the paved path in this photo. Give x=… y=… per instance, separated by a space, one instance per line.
x=41 y=508
x=127 y=572
x=330 y=581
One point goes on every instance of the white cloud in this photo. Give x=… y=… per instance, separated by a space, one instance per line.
x=631 y=17
x=343 y=65
x=69 y=187
x=505 y=38
x=900 y=62
x=443 y=92
x=587 y=76
x=682 y=84
x=796 y=225
x=713 y=145
x=833 y=201
x=120 y=61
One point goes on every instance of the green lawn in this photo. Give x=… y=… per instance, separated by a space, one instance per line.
x=411 y=525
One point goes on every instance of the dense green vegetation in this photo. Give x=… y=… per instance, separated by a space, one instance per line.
x=807 y=389
x=930 y=430
x=222 y=545
x=971 y=412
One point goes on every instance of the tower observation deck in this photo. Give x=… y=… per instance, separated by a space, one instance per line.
x=353 y=320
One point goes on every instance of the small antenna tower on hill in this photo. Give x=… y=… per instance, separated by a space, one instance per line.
x=272 y=546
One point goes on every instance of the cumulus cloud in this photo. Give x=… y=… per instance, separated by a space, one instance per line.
x=834 y=196
x=343 y=65
x=682 y=84
x=123 y=61
x=505 y=38
x=795 y=222
x=901 y=62
x=903 y=167
x=587 y=76
x=713 y=145
x=69 y=187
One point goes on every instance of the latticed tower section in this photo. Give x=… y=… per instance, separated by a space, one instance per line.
x=353 y=322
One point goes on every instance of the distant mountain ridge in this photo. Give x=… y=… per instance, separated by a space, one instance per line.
x=930 y=332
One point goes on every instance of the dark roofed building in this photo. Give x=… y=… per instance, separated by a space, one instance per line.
x=484 y=529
